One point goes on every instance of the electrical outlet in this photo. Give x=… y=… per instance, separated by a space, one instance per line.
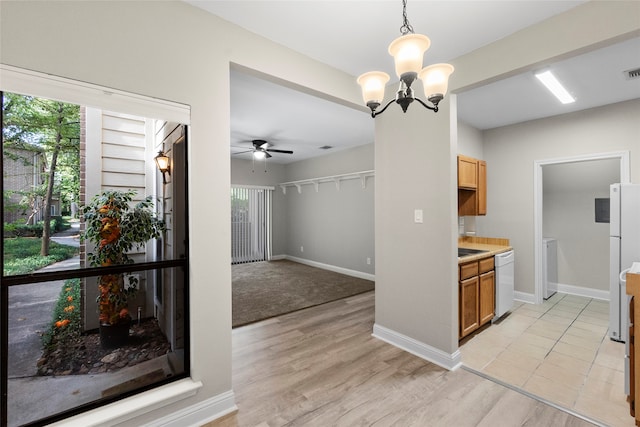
x=301 y=248
x=368 y=261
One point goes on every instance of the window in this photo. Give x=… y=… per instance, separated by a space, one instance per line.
x=250 y=224
x=53 y=327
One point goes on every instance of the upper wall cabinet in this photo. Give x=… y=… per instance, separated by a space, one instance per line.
x=472 y=186
x=467 y=173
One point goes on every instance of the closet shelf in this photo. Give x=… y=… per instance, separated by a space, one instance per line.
x=362 y=175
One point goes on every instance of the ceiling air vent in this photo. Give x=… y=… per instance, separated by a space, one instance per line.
x=632 y=74
x=326 y=147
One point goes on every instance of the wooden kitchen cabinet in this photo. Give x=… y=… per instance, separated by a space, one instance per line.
x=467 y=172
x=472 y=186
x=482 y=188
x=487 y=295
x=477 y=298
x=469 y=306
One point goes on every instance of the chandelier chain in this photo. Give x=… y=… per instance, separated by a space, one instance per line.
x=406 y=27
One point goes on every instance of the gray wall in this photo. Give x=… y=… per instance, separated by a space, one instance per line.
x=416 y=268
x=569 y=191
x=583 y=244
x=470 y=142
x=334 y=227
x=246 y=172
x=512 y=150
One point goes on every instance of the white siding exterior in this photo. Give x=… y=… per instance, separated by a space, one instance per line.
x=118 y=155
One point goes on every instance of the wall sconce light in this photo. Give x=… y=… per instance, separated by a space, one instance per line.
x=162 y=160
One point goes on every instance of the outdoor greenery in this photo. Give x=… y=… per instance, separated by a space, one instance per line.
x=20 y=229
x=116 y=227
x=22 y=255
x=66 y=321
x=52 y=128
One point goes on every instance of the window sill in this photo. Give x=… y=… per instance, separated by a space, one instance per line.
x=135 y=406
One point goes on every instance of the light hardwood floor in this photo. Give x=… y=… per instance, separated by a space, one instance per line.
x=560 y=351
x=322 y=367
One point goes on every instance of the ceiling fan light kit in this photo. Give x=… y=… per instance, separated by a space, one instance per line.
x=407 y=51
x=261 y=150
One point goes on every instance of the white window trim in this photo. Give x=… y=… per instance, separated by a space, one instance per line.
x=27 y=82
x=135 y=406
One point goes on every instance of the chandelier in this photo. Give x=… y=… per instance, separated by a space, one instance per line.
x=407 y=51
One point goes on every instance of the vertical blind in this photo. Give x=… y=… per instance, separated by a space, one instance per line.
x=250 y=224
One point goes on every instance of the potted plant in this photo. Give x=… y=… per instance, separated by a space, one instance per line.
x=116 y=227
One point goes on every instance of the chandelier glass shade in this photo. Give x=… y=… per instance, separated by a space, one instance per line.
x=408 y=51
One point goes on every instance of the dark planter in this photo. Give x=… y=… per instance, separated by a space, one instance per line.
x=114 y=336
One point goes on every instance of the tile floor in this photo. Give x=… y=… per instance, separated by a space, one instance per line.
x=560 y=351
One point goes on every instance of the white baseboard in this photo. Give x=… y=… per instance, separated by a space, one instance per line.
x=277 y=257
x=580 y=291
x=200 y=413
x=524 y=297
x=346 y=271
x=420 y=349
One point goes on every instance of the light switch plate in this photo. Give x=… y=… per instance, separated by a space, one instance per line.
x=417 y=216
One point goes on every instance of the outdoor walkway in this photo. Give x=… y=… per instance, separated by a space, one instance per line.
x=69 y=237
x=30 y=312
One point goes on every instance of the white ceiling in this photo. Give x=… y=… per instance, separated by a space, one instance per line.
x=353 y=36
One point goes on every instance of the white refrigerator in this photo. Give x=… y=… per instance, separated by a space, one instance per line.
x=624 y=239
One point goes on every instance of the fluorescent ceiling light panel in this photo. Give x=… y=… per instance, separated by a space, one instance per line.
x=549 y=80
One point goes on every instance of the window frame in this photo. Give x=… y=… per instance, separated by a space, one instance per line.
x=42 y=85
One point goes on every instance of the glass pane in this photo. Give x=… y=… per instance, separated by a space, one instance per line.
x=56 y=364
x=61 y=161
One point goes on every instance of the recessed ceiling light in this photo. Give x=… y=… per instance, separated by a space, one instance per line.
x=555 y=87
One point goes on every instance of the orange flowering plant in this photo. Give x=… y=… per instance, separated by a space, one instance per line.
x=116 y=226
x=66 y=321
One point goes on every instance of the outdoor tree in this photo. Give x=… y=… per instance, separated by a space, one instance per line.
x=54 y=128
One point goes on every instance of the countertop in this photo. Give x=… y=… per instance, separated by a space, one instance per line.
x=493 y=246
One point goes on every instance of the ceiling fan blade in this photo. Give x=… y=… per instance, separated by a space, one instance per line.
x=280 y=151
x=242 y=152
x=267 y=154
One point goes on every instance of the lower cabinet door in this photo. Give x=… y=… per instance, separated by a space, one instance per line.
x=487 y=297
x=469 y=306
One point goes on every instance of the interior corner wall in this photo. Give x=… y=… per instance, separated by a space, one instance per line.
x=512 y=150
x=470 y=141
x=246 y=172
x=170 y=50
x=569 y=217
x=332 y=226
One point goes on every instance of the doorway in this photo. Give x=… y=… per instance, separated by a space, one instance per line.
x=539 y=195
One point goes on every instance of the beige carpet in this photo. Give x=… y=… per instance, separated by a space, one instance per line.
x=266 y=289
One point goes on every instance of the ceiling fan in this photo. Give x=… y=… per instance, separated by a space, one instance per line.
x=261 y=149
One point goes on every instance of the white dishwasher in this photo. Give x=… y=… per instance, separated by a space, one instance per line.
x=504 y=283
